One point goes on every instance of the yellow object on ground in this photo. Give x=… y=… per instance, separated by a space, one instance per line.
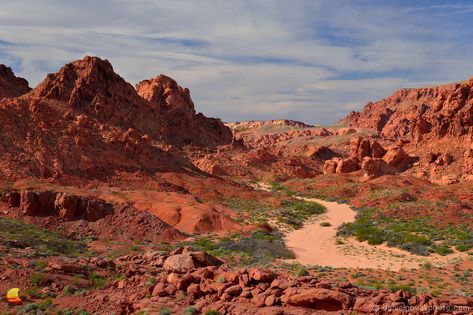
x=13 y=296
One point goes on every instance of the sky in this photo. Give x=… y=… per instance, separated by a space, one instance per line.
x=307 y=60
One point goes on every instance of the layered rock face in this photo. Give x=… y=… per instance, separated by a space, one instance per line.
x=434 y=121
x=79 y=215
x=11 y=85
x=177 y=108
x=86 y=120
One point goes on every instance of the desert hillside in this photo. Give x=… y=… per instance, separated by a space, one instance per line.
x=435 y=123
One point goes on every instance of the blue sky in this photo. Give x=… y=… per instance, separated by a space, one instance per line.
x=312 y=61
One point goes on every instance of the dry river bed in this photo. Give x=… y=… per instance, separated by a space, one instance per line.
x=315 y=244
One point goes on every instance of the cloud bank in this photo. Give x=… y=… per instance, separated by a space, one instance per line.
x=312 y=61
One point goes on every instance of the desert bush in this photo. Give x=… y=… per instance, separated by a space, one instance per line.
x=36 y=279
x=463 y=247
x=165 y=311
x=443 y=249
x=44 y=305
x=97 y=280
x=402 y=287
x=415 y=248
x=189 y=310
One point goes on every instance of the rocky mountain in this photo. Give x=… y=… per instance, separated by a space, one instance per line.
x=436 y=123
x=87 y=120
x=11 y=85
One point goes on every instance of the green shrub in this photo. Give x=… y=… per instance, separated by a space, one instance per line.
x=427 y=265
x=189 y=310
x=402 y=287
x=165 y=311
x=181 y=297
x=436 y=293
x=33 y=293
x=443 y=249
x=463 y=248
x=211 y=312
x=37 y=279
x=44 y=305
x=97 y=280
x=301 y=271
x=69 y=290
x=151 y=281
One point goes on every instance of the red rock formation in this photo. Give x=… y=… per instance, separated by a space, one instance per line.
x=439 y=111
x=10 y=85
x=175 y=104
x=86 y=120
x=434 y=121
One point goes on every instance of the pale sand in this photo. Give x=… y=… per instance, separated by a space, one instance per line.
x=316 y=245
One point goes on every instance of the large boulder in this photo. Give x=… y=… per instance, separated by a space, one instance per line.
x=371 y=166
x=179 y=263
x=362 y=147
x=330 y=166
x=397 y=159
x=347 y=166
x=321 y=299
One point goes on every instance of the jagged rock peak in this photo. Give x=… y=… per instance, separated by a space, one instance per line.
x=175 y=104
x=86 y=81
x=11 y=85
x=164 y=92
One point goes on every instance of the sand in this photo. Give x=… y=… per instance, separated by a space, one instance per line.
x=314 y=244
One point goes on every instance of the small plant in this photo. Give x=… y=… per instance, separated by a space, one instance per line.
x=436 y=292
x=443 y=250
x=66 y=311
x=403 y=287
x=325 y=224
x=44 y=305
x=39 y=265
x=211 y=312
x=181 y=297
x=97 y=280
x=135 y=248
x=301 y=271
x=37 y=279
x=427 y=265
x=33 y=293
x=339 y=241
x=220 y=279
x=151 y=281
x=165 y=311
x=69 y=290
x=189 y=310
x=463 y=247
